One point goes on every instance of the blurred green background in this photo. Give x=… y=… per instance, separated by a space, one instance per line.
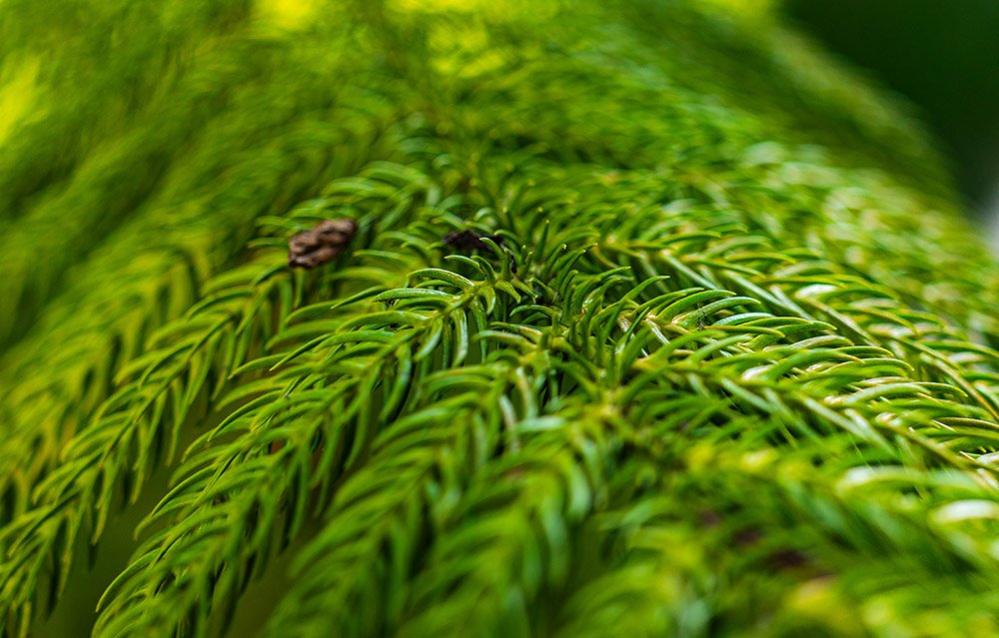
x=943 y=55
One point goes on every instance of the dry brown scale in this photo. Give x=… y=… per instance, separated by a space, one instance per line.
x=321 y=244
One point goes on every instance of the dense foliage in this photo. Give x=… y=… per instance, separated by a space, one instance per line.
x=655 y=322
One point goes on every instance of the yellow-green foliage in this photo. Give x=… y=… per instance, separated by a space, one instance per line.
x=725 y=364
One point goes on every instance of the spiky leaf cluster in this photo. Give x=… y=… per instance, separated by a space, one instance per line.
x=719 y=361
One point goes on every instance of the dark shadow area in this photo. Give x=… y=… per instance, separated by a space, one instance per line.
x=943 y=56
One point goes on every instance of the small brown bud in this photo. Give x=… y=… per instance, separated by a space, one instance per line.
x=322 y=244
x=468 y=241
